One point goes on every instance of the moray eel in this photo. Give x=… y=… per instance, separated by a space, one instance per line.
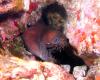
x=46 y=40
x=41 y=40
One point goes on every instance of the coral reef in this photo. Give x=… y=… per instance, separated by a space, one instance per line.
x=81 y=28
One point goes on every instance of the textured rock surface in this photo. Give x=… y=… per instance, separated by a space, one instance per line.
x=13 y=68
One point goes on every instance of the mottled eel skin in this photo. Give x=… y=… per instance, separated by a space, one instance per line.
x=46 y=40
x=40 y=40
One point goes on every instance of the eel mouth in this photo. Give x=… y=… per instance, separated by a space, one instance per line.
x=53 y=47
x=58 y=45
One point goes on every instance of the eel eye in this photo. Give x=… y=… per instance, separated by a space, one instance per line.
x=29 y=25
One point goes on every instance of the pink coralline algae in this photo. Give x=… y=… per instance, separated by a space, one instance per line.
x=83 y=25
